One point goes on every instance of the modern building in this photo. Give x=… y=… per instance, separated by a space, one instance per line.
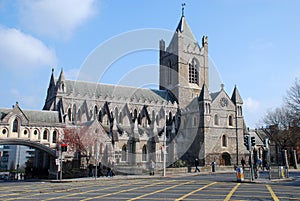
x=14 y=157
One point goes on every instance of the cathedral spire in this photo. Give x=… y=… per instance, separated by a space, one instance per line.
x=184 y=28
x=62 y=75
x=52 y=82
x=61 y=82
x=236 y=97
x=204 y=95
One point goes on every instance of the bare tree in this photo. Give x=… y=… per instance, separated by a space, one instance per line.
x=279 y=127
x=284 y=121
x=278 y=116
x=293 y=103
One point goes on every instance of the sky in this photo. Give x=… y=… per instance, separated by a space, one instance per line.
x=253 y=44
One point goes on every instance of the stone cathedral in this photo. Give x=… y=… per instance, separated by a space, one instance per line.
x=132 y=124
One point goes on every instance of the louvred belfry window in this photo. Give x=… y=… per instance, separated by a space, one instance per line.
x=193 y=72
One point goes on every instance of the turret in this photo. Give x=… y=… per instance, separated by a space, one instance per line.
x=61 y=86
x=51 y=92
x=238 y=101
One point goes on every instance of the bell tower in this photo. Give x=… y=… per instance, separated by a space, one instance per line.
x=183 y=64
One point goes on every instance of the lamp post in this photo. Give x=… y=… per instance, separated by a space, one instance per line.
x=96 y=158
x=18 y=147
x=164 y=142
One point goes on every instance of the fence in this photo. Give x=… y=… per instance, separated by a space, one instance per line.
x=274 y=172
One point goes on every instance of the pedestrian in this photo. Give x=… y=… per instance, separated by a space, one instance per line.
x=152 y=167
x=259 y=163
x=196 y=165
x=243 y=162
x=100 y=170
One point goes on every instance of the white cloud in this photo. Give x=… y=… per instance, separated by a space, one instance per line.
x=55 y=18
x=251 y=105
x=253 y=112
x=19 y=50
x=72 y=74
x=27 y=101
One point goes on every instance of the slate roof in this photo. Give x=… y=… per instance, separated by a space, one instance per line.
x=4 y=112
x=258 y=139
x=204 y=95
x=214 y=95
x=35 y=116
x=42 y=116
x=90 y=89
x=184 y=28
x=236 y=97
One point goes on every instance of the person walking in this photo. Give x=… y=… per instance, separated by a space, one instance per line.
x=196 y=165
x=243 y=162
x=152 y=167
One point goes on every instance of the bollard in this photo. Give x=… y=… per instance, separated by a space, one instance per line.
x=213 y=166
x=239 y=174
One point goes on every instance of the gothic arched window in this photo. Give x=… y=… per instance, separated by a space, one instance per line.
x=45 y=135
x=124 y=153
x=69 y=114
x=216 y=119
x=95 y=112
x=230 y=120
x=144 y=153
x=193 y=71
x=74 y=114
x=15 y=125
x=121 y=118
x=224 y=141
x=54 y=136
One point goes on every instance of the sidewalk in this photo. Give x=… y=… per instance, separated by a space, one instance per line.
x=126 y=177
x=173 y=175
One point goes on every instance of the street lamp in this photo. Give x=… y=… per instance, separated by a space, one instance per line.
x=164 y=142
x=96 y=158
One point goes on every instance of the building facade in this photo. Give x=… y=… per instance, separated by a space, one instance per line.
x=135 y=123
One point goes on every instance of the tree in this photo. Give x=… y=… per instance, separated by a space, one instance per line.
x=77 y=139
x=278 y=116
x=284 y=121
x=293 y=103
x=85 y=139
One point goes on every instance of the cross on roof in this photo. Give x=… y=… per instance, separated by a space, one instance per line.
x=182 y=9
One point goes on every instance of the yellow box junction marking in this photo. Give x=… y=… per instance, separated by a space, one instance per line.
x=232 y=192
x=195 y=191
x=275 y=198
x=127 y=190
x=161 y=190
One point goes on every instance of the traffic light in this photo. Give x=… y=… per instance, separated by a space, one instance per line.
x=247 y=142
x=64 y=147
x=252 y=141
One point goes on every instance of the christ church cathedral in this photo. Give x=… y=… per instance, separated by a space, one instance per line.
x=182 y=120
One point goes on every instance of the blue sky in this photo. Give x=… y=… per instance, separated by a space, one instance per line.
x=253 y=44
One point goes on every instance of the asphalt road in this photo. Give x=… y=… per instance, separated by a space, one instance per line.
x=185 y=187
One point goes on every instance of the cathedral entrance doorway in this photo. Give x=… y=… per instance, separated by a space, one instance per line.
x=226 y=158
